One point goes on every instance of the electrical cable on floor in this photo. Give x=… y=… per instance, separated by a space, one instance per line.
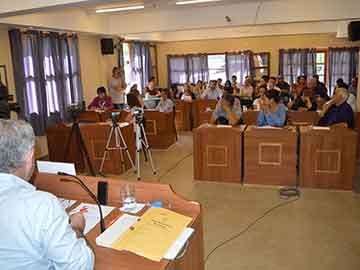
x=223 y=243
x=175 y=166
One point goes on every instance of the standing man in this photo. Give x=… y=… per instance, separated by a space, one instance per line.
x=36 y=232
x=117 y=87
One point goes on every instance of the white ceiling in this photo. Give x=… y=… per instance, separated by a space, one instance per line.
x=161 y=20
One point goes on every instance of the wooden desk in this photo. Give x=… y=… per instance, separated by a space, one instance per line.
x=95 y=136
x=270 y=156
x=217 y=153
x=296 y=118
x=327 y=158
x=357 y=128
x=202 y=111
x=93 y=116
x=183 y=119
x=109 y=259
x=250 y=117
x=160 y=129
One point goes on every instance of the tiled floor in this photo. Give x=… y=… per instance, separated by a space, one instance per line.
x=319 y=231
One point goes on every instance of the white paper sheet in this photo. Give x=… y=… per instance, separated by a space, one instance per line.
x=133 y=210
x=55 y=167
x=116 y=230
x=66 y=203
x=91 y=214
x=179 y=244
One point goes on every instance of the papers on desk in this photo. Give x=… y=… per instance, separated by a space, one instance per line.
x=55 y=167
x=91 y=214
x=159 y=233
x=133 y=210
x=224 y=126
x=268 y=127
x=65 y=203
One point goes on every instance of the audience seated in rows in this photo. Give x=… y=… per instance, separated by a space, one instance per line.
x=102 y=101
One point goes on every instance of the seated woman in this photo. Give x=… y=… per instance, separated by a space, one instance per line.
x=102 y=101
x=272 y=112
x=136 y=92
x=150 y=90
x=337 y=110
x=257 y=102
x=188 y=95
x=302 y=103
x=226 y=112
x=165 y=105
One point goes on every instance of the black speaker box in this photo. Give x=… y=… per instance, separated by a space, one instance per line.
x=107 y=46
x=354 y=31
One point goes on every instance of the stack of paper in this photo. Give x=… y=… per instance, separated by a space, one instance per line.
x=159 y=233
x=91 y=214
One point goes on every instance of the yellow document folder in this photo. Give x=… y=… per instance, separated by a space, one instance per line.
x=153 y=235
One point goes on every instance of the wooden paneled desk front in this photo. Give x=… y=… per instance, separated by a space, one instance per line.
x=217 y=153
x=250 y=117
x=327 y=157
x=95 y=136
x=183 y=116
x=160 y=129
x=202 y=111
x=270 y=156
x=110 y=259
x=296 y=118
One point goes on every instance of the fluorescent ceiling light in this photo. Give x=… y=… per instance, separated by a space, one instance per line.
x=189 y=2
x=104 y=10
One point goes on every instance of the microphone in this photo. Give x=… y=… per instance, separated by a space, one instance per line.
x=92 y=195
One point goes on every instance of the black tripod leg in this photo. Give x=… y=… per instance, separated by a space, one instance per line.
x=85 y=152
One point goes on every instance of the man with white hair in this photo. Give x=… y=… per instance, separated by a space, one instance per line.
x=36 y=232
x=337 y=110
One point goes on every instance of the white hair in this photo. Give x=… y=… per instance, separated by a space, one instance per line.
x=16 y=140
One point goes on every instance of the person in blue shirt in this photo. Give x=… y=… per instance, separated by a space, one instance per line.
x=272 y=112
x=337 y=110
x=36 y=232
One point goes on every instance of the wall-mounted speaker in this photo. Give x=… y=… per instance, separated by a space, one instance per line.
x=354 y=31
x=107 y=46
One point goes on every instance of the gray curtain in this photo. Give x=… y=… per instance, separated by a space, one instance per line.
x=197 y=68
x=47 y=76
x=296 y=62
x=343 y=63
x=177 y=69
x=141 y=63
x=239 y=64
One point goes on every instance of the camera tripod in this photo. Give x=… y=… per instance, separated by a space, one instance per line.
x=120 y=144
x=141 y=144
x=76 y=132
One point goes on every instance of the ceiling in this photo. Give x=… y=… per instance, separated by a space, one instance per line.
x=162 y=20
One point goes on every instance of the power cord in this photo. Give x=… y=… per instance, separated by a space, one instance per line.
x=175 y=166
x=225 y=242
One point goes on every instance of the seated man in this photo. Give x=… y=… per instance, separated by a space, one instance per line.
x=150 y=90
x=212 y=92
x=226 y=113
x=337 y=110
x=165 y=105
x=247 y=90
x=272 y=112
x=36 y=231
x=102 y=101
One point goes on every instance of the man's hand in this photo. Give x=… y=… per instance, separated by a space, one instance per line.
x=77 y=222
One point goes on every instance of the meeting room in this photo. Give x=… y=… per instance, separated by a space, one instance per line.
x=179 y=134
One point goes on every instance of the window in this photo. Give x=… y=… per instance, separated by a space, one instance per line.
x=321 y=65
x=261 y=64
x=216 y=66
x=127 y=66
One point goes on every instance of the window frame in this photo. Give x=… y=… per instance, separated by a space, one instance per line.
x=268 y=67
x=326 y=61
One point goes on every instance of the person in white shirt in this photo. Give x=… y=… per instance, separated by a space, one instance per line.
x=247 y=89
x=259 y=101
x=117 y=88
x=36 y=232
x=212 y=92
x=351 y=101
x=165 y=105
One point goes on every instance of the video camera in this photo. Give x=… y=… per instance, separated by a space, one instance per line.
x=138 y=114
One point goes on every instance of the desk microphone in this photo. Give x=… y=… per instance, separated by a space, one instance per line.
x=92 y=195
